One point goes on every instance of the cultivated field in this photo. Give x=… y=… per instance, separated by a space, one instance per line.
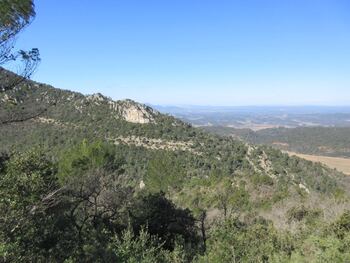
x=341 y=164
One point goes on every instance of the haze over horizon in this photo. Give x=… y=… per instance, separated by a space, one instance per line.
x=222 y=53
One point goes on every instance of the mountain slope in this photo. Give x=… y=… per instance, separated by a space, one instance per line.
x=327 y=141
x=270 y=181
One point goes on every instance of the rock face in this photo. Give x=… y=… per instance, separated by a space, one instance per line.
x=97 y=97
x=135 y=112
x=128 y=110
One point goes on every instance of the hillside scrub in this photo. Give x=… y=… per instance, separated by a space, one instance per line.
x=94 y=185
x=80 y=208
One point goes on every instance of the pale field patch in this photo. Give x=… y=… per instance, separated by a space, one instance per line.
x=341 y=164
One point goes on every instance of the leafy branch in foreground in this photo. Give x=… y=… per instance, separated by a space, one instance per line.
x=15 y=15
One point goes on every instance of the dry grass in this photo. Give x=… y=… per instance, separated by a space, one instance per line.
x=341 y=164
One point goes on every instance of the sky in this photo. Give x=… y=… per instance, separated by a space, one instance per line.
x=196 y=52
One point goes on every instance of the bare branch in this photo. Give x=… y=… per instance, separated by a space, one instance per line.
x=23 y=118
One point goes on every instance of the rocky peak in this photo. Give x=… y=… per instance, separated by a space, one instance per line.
x=134 y=112
x=96 y=98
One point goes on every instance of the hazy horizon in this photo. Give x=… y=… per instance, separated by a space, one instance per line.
x=250 y=105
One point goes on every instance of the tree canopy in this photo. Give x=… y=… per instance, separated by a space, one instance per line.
x=15 y=15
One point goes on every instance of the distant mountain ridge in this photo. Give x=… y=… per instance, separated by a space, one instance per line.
x=256 y=109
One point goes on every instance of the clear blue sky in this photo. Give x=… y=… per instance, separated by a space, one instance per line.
x=204 y=52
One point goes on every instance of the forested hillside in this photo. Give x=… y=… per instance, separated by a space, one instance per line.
x=328 y=141
x=86 y=178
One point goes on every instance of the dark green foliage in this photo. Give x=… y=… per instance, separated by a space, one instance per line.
x=31 y=219
x=258 y=241
x=342 y=226
x=15 y=13
x=143 y=248
x=89 y=156
x=229 y=198
x=235 y=241
x=164 y=172
x=164 y=220
x=88 y=218
x=84 y=218
x=3 y=158
x=303 y=213
x=262 y=179
x=329 y=141
x=44 y=221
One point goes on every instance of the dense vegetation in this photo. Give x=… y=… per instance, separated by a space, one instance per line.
x=79 y=209
x=328 y=141
x=67 y=197
x=80 y=182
